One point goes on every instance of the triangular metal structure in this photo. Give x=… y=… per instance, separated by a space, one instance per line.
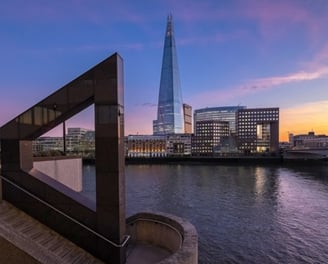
x=97 y=227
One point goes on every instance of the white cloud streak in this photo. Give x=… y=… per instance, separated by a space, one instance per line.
x=259 y=85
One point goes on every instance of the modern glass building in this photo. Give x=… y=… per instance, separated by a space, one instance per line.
x=170 y=108
x=223 y=114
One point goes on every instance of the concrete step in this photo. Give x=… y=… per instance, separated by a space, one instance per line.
x=39 y=241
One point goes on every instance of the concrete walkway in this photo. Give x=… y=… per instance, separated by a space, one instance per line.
x=41 y=244
x=25 y=240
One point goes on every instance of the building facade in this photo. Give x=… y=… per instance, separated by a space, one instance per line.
x=46 y=145
x=74 y=138
x=308 y=141
x=258 y=130
x=187 y=116
x=79 y=141
x=158 y=145
x=178 y=145
x=223 y=114
x=208 y=135
x=145 y=146
x=170 y=109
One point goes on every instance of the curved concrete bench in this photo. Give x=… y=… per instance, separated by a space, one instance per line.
x=172 y=233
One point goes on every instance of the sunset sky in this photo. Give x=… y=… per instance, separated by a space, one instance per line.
x=230 y=52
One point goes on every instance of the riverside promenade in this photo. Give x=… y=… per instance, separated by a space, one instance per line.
x=25 y=240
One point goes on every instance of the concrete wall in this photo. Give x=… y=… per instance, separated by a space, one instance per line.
x=167 y=231
x=67 y=171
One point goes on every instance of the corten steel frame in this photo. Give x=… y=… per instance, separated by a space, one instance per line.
x=97 y=227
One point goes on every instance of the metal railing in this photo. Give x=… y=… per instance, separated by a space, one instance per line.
x=126 y=237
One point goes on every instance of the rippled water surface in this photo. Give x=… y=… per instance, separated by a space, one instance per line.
x=243 y=214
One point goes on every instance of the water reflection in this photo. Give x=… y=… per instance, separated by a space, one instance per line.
x=243 y=214
x=260 y=179
x=314 y=172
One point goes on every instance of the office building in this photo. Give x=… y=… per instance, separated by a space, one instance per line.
x=80 y=139
x=208 y=135
x=170 y=110
x=178 y=145
x=308 y=141
x=223 y=114
x=74 y=137
x=187 y=115
x=258 y=130
x=45 y=145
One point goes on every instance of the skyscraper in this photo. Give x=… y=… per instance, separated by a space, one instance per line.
x=170 y=109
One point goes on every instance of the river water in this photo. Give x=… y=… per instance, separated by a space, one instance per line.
x=243 y=214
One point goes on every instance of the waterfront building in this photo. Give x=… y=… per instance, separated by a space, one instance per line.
x=228 y=146
x=80 y=140
x=187 y=116
x=87 y=144
x=310 y=140
x=178 y=145
x=158 y=145
x=47 y=144
x=74 y=137
x=224 y=114
x=170 y=109
x=145 y=146
x=258 y=130
x=208 y=136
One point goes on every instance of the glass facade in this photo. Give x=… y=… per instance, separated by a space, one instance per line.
x=170 y=109
x=224 y=114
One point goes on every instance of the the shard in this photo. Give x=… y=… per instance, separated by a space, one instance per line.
x=170 y=107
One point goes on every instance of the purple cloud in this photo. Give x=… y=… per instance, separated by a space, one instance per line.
x=260 y=85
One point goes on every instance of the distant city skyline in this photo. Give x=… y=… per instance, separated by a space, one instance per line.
x=239 y=52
